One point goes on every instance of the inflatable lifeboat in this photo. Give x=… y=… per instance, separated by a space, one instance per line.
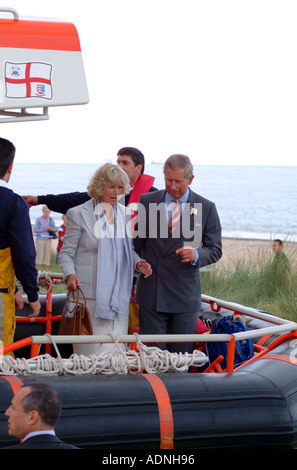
x=250 y=405
x=199 y=402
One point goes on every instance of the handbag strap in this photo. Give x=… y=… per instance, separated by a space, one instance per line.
x=79 y=290
x=74 y=300
x=83 y=305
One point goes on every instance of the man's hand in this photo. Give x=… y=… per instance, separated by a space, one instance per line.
x=35 y=307
x=188 y=254
x=19 y=301
x=31 y=200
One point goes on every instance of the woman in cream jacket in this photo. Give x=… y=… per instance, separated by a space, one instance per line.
x=98 y=255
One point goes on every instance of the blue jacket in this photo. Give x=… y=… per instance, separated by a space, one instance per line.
x=16 y=233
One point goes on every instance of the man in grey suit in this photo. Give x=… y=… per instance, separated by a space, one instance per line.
x=170 y=299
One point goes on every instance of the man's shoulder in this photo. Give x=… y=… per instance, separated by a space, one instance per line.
x=6 y=193
x=43 y=441
x=153 y=188
x=153 y=196
x=194 y=197
x=8 y=196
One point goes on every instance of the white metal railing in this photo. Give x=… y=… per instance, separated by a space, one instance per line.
x=165 y=338
x=246 y=310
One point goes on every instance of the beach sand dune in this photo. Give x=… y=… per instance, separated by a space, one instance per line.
x=237 y=248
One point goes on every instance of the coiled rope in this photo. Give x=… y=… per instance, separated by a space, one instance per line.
x=147 y=359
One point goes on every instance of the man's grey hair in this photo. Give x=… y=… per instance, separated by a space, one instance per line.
x=177 y=162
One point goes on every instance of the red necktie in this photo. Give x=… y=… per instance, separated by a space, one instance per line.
x=175 y=216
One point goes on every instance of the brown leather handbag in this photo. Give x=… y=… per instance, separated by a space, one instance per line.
x=75 y=317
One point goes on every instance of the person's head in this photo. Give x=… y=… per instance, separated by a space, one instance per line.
x=131 y=160
x=108 y=182
x=34 y=407
x=7 y=154
x=45 y=211
x=277 y=245
x=178 y=174
x=64 y=219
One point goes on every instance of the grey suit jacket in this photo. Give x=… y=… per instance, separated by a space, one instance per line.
x=79 y=254
x=174 y=287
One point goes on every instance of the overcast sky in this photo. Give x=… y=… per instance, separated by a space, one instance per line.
x=214 y=79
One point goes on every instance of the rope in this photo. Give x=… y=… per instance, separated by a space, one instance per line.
x=47 y=280
x=116 y=361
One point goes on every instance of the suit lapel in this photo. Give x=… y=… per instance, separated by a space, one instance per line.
x=88 y=216
x=160 y=219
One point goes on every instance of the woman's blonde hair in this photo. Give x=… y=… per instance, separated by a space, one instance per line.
x=107 y=173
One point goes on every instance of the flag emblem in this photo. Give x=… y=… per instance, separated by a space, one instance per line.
x=40 y=90
x=28 y=80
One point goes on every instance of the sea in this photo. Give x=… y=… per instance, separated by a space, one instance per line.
x=253 y=202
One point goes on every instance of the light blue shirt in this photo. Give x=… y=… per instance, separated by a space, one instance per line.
x=169 y=200
x=40 y=225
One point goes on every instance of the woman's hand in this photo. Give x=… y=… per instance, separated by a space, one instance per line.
x=73 y=283
x=143 y=267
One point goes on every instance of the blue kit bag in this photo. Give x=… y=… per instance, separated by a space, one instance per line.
x=244 y=349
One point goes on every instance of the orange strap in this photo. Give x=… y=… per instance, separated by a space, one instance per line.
x=165 y=411
x=14 y=382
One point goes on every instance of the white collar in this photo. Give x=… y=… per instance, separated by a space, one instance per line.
x=4 y=184
x=37 y=433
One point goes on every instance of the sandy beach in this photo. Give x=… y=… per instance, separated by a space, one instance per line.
x=236 y=248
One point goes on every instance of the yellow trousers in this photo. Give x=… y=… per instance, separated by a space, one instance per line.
x=7 y=300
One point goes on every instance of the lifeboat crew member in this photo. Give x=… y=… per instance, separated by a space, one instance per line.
x=17 y=250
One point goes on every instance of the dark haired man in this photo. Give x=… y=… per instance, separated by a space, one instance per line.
x=277 y=246
x=17 y=250
x=32 y=416
x=280 y=262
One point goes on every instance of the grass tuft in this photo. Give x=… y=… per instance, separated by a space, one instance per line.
x=256 y=281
